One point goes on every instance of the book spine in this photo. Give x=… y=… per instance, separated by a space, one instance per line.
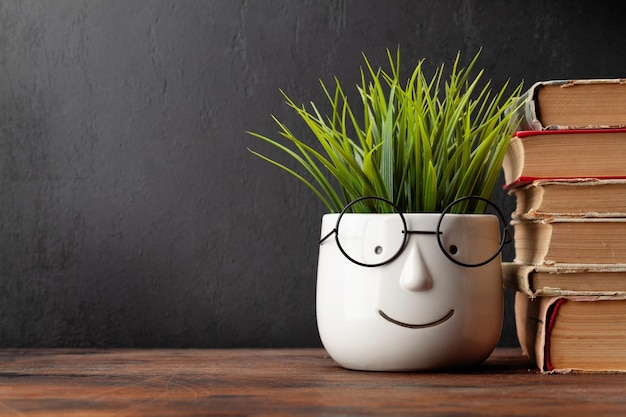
x=551 y=317
x=526 y=110
x=530 y=322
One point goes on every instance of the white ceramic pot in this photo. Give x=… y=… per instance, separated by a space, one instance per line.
x=421 y=311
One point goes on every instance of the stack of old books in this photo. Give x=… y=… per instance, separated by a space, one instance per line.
x=566 y=168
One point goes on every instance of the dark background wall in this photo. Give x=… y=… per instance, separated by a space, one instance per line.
x=131 y=213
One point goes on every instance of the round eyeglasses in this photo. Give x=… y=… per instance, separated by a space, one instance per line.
x=394 y=243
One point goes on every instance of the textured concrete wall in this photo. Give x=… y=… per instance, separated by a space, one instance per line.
x=131 y=213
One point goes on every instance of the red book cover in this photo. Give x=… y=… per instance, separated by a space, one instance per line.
x=526 y=133
x=550 y=325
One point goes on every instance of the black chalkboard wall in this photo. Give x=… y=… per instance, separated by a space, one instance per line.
x=131 y=213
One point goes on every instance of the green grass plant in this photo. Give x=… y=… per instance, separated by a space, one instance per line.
x=421 y=143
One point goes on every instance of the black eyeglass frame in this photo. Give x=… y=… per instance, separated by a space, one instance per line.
x=505 y=237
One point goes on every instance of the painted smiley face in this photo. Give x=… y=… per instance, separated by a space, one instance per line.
x=417 y=312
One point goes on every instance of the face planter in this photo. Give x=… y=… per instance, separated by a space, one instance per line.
x=409 y=292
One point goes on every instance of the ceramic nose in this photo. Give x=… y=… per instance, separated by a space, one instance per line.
x=415 y=276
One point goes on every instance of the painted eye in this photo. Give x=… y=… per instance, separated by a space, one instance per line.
x=453 y=250
x=378 y=250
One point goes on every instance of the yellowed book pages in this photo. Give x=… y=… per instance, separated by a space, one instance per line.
x=573 y=334
x=564 y=154
x=570 y=198
x=541 y=281
x=570 y=241
x=530 y=323
x=574 y=104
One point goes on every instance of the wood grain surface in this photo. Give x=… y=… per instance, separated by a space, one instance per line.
x=277 y=382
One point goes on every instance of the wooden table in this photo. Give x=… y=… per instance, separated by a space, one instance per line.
x=276 y=382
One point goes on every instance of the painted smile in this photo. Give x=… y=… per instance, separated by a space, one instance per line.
x=416 y=326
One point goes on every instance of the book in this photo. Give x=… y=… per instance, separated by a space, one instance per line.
x=589 y=197
x=564 y=154
x=541 y=281
x=573 y=104
x=567 y=241
x=565 y=167
x=564 y=334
